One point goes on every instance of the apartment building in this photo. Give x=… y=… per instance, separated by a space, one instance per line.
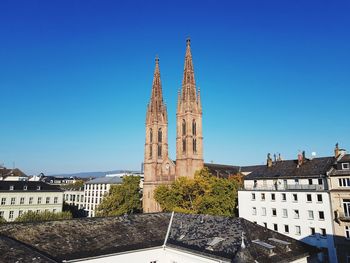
x=339 y=184
x=18 y=197
x=292 y=197
x=74 y=197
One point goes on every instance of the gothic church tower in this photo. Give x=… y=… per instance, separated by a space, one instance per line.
x=158 y=168
x=189 y=138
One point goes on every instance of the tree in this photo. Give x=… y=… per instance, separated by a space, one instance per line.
x=31 y=216
x=205 y=194
x=122 y=198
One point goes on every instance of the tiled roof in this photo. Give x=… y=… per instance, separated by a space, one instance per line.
x=290 y=169
x=106 y=180
x=221 y=170
x=211 y=236
x=30 y=186
x=11 y=172
x=345 y=158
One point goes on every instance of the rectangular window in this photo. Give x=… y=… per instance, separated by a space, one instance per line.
x=284 y=197
x=323 y=232
x=263 y=211
x=285 y=213
x=39 y=200
x=21 y=201
x=347 y=232
x=263 y=197
x=321 y=215
x=13 y=200
x=286 y=229
x=296 y=213
x=344 y=182
x=12 y=187
x=320 y=181
x=274 y=212
x=312 y=231
x=345 y=166
x=20 y=212
x=275 y=227
x=11 y=214
x=30 y=200
x=310 y=181
x=297 y=230
x=296 y=181
x=273 y=197
x=265 y=224
x=254 y=211
x=55 y=200
x=253 y=196
x=311 y=214
x=319 y=198
x=1 y=214
x=3 y=201
x=295 y=198
x=308 y=198
x=47 y=200
x=54 y=210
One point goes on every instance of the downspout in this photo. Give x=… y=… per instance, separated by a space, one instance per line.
x=168 y=232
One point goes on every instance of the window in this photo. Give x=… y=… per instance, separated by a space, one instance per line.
x=346 y=206
x=312 y=231
x=20 y=212
x=3 y=201
x=263 y=211
x=184 y=145
x=344 y=182
x=183 y=127
x=286 y=229
x=347 y=232
x=1 y=214
x=308 y=198
x=55 y=200
x=263 y=197
x=160 y=135
x=54 y=210
x=254 y=210
x=345 y=166
x=12 y=187
x=321 y=215
x=13 y=200
x=274 y=212
x=150 y=151
x=11 y=214
x=285 y=213
x=311 y=214
x=320 y=181
x=323 y=232
x=284 y=197
x=275 y=227
x=194 y=128
x=30 y=200
x=39 y=200
x=38 y=187
x=297 y=230
x=295 y=198
x=265 y=224
x=21 y=201
x=25 y=187
x=47 y=200
x=159 y=150
x=194 y=145
x=319 y=198
x=296 y=213
x=310 y=181
x=273 y=197
x=253 y=196
x=255 y=183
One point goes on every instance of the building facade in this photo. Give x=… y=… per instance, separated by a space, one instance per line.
x=158 y=167
x=18 y=197
x=292 y=197
x=75 y=197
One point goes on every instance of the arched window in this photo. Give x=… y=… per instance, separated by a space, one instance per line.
x=194 y=145
x=183 y=127
x=160 y=135
x=194 y=128
x=150 y=135
x=150 y=151
x=184 y=145
x=159 y=150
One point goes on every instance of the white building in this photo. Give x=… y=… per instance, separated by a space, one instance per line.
x=18 y=197
x=75 y=197
x=292 y=198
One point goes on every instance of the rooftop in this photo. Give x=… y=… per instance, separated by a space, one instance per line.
x=28 y=186
x=106 y=180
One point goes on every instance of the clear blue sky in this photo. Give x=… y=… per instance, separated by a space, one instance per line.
x=75 y=78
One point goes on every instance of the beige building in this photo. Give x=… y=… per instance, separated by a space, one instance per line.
x=339 y=183
x=158 y=167
x=74 y=197
x=18 y=197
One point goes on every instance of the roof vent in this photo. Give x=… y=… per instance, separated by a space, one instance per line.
x=242 y=244
x=12 y=187
x=280 y=242
x=265 y=246
x=181 y=237
x=215 y=241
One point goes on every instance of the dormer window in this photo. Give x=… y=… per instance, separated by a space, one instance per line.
x=12 y=187
x=25 y=187
x=345 y=166
x=38 y=187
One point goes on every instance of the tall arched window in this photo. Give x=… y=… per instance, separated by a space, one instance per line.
x=183 y=127
x=159 y=150
x=184 y=145
x=194 y=145
x=150 y=135
x=150 y=151
x=160 y=135
x=194 y=128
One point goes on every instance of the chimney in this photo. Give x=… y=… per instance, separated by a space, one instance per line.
x=279 y=157
x=269 y=160
x=300 y=159
x=336 y=150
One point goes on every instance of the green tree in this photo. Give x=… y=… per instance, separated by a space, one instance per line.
x=2 y=220
x=205 y=194
x=122 y=198
x=31 y=216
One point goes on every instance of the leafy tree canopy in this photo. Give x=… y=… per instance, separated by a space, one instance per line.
x=43 y=216
x=205 y=194
x=122 y=198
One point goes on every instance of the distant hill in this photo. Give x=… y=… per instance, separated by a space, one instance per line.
x=93 y=174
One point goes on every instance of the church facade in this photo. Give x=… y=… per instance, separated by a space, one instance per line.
x=158 y=167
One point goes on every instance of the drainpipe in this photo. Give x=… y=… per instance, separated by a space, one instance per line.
x=168 y=232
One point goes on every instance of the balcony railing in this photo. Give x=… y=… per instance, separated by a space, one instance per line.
x=313 y=187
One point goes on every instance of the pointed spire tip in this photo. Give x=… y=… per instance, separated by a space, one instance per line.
x=188 y=41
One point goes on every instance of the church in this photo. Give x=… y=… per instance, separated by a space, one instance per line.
x=158 y=167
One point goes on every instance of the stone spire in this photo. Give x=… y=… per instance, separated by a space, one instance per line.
x=156 y=102
x=188 y=81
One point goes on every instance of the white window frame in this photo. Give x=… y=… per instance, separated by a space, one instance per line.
x=298 y=230
x=347 y=232
x=310 y=214
x=345 y=166
x=285 y=213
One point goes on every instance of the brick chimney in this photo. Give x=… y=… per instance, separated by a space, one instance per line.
x=269 y=160
x=300 y=158
x=336 y=150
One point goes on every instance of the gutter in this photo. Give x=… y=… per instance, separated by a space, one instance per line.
x=168 y=231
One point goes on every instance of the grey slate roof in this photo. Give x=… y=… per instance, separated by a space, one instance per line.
x=56 y=241
x=106 y=180
x=224 y=171
x=31 y=186
x=290 y=169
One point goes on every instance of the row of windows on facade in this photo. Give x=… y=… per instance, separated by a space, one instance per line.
x=30 y=200
x=194 y=148
x=73 y=198
x=344 y=182
x=284 y=197
x=25 y=187
x=296 y=181
x=160 y=133
x=296 y=213
x=322 y=231
x=20 y=212
x=96 y=186
x=97 y=193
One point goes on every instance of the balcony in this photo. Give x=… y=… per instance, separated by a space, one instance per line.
x=341 y=216
x=281 y=187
